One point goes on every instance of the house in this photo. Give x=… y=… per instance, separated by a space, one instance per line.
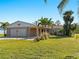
x=21 y=29
x=24 y=29
x=56 y=29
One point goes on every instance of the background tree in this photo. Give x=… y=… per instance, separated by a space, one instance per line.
x=57 y=22
x=77 y=29
x=68 y=26
x=4 y=26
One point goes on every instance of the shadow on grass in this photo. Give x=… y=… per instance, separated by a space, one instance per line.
x=70 y=57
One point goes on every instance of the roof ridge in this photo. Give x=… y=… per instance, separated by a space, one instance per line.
x=21 y=21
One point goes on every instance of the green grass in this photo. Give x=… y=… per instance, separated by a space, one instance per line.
x=76 y=36
x=1 y=35
x=45 y=49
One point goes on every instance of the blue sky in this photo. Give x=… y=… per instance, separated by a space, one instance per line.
x=32 y=10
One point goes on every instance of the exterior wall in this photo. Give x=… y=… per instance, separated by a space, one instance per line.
x=8 y=31
x=28 y=32
x=56 y=28
x=33 y=32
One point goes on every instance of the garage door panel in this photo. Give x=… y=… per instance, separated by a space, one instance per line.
x=21 y=32
x=18 y=32
x=13 y=32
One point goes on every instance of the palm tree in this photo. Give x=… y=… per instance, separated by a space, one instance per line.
x=4 y=26
x=45 y=24
x=68 y=26
x=61 y=6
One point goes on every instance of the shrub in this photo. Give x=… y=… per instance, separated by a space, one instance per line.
x=42 y=38
x=76 y=36
x=37 y=39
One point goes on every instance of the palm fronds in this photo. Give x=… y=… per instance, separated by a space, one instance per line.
x=45 y=1
x=62 y=4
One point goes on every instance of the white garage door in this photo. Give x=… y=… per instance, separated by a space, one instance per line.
x=13 y=32
x=22 y=32
x=18 y=32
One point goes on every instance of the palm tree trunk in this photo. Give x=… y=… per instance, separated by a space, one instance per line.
x=37 y=32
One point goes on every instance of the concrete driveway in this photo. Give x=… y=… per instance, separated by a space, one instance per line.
x=10 y=38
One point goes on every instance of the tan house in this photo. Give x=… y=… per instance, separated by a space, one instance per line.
x=21 y=29
x=24 y=29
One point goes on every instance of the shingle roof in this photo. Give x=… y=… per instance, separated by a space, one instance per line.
x=25 y=24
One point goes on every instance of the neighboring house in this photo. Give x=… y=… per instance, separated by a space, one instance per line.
x=21 y=29
x=56 y=28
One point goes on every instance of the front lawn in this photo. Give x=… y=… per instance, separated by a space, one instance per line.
x=46 y=49
x=1 y=35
